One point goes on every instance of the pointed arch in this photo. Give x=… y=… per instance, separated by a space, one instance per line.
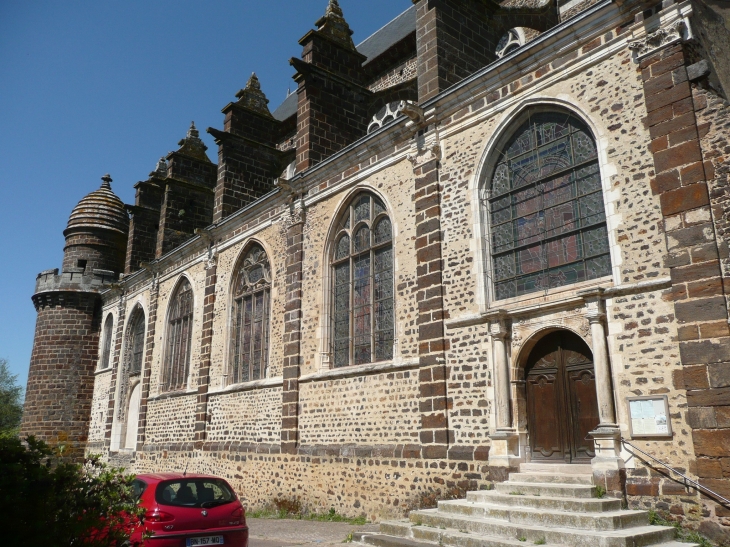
x=134 y=343
x=250 y=311
x=179 y=333
x=106 y=342
x=361 y=295
x=542 y=201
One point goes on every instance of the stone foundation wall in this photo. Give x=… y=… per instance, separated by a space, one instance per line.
x=376 y=486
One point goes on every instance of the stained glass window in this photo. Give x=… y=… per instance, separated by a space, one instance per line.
x=362 y=291
x=546 y=214
x=249 y=353
x=107 y=341
x=179 y=334
x=135 y=342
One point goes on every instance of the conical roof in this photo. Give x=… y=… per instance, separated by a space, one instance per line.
x=101 y=209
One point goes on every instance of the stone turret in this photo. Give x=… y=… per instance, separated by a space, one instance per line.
x=96 y=234
x=65 y=347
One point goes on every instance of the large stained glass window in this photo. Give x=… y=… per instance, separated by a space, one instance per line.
x=251 y=317
x=547 y=221
x=362 y=291
x=179 y=334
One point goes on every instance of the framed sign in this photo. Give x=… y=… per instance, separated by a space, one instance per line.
x=649 y=416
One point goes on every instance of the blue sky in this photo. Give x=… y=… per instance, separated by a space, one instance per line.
x=88 y=88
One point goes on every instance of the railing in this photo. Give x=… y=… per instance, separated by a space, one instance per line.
x=697 y=485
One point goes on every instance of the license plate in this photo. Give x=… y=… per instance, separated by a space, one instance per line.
x=210 y=540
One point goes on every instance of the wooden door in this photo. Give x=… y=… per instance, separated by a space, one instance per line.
x=561 y=399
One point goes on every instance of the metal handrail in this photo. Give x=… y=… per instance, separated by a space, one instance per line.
x=696 y=484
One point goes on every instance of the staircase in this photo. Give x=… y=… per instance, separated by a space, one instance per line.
x=542 y=504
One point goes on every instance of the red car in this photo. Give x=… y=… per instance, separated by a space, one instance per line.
x=186 y=510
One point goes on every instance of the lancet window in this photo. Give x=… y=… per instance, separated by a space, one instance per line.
x=251 y=307
x=135 y=343
x=106 y=349
x=362 y=292
x=546 y=214
x=179 y=335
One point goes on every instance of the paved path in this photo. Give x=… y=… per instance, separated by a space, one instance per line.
x=285 y=532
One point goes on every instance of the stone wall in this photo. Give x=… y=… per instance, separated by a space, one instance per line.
x=381 y=438
x=58 y=400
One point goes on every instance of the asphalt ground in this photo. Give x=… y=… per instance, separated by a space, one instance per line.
x=285 y=532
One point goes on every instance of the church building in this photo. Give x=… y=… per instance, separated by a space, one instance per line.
x=483 y=250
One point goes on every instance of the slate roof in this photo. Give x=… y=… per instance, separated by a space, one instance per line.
x=375 y=44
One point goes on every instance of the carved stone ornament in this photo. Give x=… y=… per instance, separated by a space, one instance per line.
x=499 y=328
x=516 y=338
x=253 y=98
x=254 y=271
x=212 y=260
x=386 y=114
x=426 y=147
x=672 y=33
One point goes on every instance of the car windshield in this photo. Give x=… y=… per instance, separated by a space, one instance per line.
x=194 y=492
x=138 y=487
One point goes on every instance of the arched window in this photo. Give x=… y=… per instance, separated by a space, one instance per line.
x=179 y=333
x=135 y=343
x=362 y=291
x=546 y=214
x=252 y=288
x=106 y=348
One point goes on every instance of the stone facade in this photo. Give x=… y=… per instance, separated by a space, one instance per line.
x=449 y=412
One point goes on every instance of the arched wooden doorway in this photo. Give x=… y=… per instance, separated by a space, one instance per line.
x=561 y=399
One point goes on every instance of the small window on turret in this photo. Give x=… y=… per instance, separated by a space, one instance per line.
x=81 y=264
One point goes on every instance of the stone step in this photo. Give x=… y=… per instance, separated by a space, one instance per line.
x=609 y=520
x=558 y=478
x=462 y=540
x=562 y=468
x=545 y=489
x=463 y=531
x=575 y=505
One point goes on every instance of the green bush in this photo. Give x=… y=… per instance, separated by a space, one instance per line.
x=50 y=503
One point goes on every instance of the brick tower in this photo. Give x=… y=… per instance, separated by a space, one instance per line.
x=65 y=347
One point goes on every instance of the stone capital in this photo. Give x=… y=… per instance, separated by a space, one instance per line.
x=498 y=323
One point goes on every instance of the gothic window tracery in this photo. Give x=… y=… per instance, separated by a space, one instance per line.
x=252 y=290
x=362 y=291
x=107 y=342
x=546 y=213
x=179 y=335
x=512 y=40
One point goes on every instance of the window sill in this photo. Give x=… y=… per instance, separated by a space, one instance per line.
x=249 y=386
x=99 y=371
x=173 y=394
x=576 y=295
x=360 y=370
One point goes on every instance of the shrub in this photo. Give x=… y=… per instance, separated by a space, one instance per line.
x=52 y=503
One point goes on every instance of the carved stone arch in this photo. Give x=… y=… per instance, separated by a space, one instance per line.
x=521 y=353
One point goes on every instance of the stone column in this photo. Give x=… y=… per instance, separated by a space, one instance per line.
x=608 y=466
x=504 y=451
x=498 y=331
